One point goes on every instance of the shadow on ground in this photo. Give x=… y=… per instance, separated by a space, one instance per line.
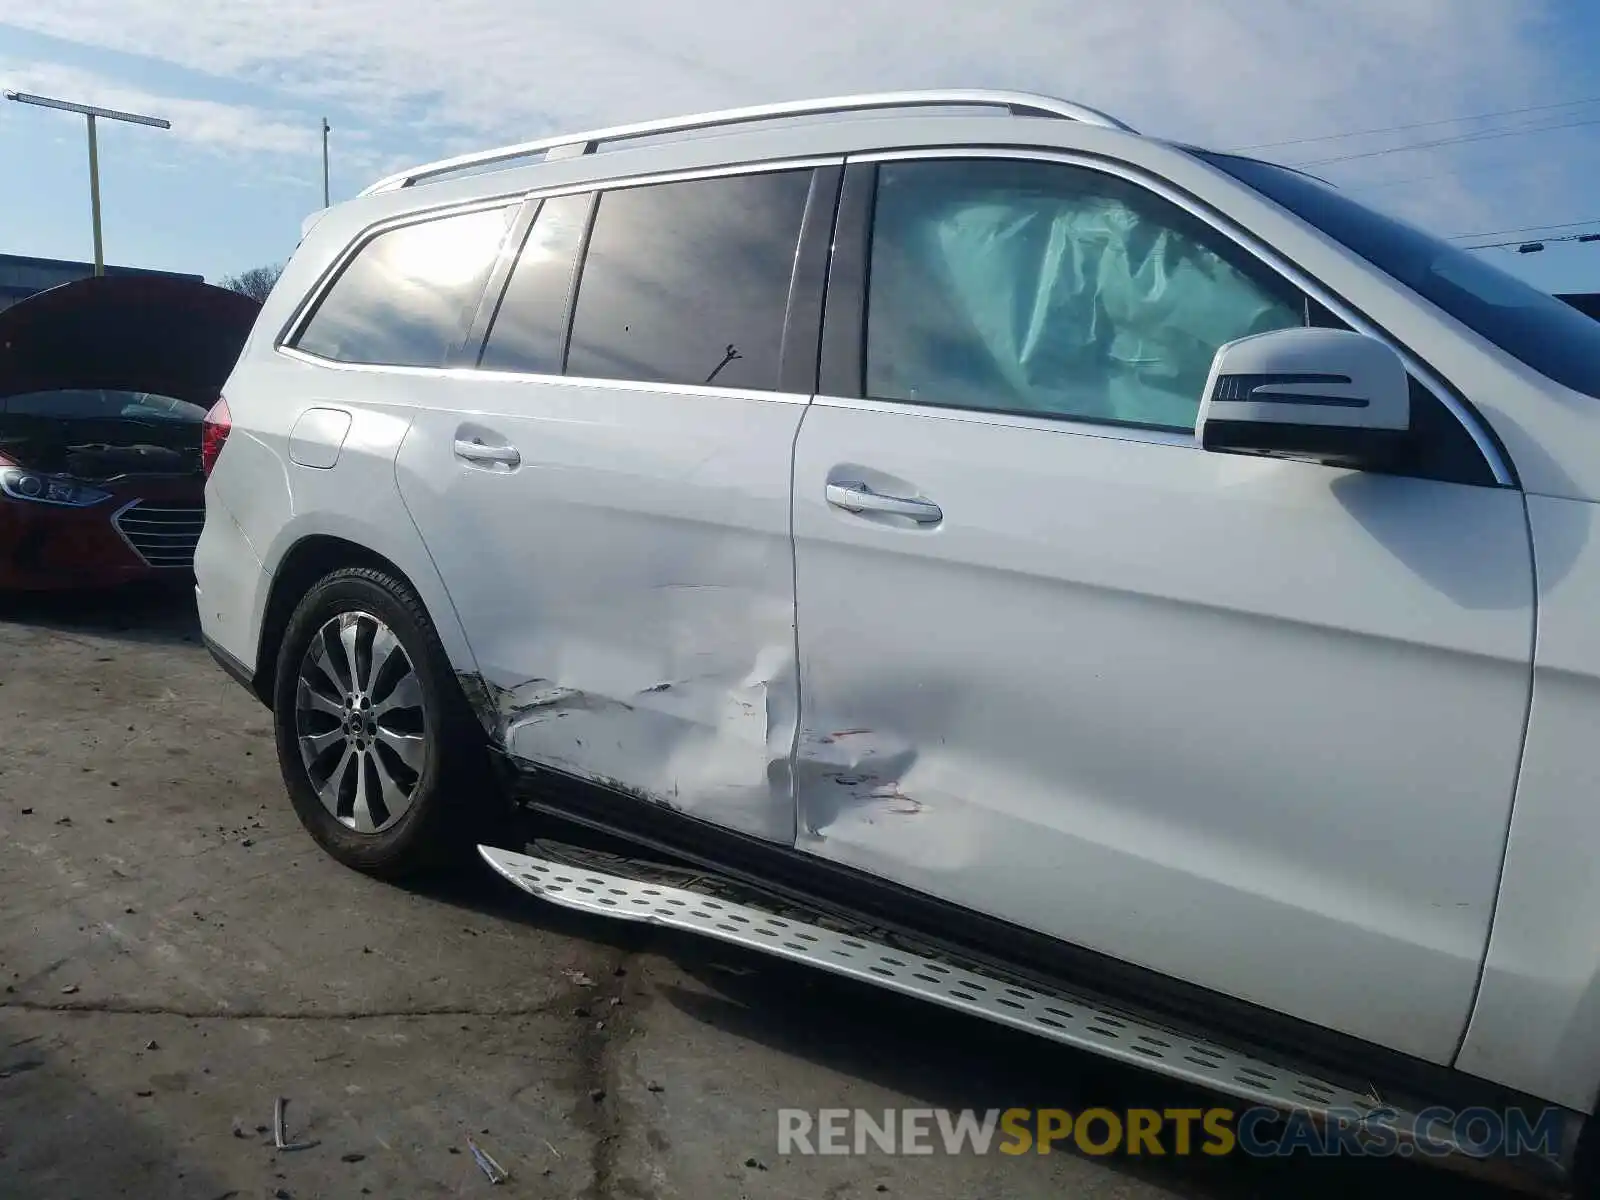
x=949 y=1060
x=92 y=1145
x=944 y=1059
x=162 y=613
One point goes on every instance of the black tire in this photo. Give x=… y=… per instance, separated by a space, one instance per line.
x=452 y=801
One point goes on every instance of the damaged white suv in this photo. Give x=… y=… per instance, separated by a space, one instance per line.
x=1132 y=593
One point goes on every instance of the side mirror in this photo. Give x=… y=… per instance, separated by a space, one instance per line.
x=1321 y=394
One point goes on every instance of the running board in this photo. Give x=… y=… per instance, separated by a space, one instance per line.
x=1072 y=1020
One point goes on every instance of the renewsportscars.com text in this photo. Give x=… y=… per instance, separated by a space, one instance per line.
x=1153 y=1132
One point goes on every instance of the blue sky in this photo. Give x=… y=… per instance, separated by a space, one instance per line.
x=246 y=84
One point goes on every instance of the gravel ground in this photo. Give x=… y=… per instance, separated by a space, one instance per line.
x=176 y=954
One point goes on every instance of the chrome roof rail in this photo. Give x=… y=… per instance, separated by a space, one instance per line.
x=572 y=145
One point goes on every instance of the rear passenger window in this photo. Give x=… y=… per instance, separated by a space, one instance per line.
x=688 y=282
x=531 y=325
x=408 y=297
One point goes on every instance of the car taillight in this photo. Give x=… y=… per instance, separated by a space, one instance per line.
x=213 y=433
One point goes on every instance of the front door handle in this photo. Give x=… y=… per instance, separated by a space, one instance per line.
x=477 y=452
x=859 y=498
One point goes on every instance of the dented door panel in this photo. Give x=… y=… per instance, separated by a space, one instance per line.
x=1253 y=724
x=627 y=588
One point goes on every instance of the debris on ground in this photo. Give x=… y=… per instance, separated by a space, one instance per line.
x=597 y=1094
x=492 y=1170
x=152 y=1045
x=279 y=1137
x=755 y=1163
x=579 y=978
x=239 y=1131
x=70 y=989
x=352 y=1158
x=653 y=1086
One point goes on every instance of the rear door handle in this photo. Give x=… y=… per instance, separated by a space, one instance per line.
x=477 y=452
x=859 y=498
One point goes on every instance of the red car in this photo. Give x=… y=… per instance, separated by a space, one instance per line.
x=104 y=387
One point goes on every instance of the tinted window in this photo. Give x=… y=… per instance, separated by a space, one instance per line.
x=1045 y=289
x=88 y=404
x=531 y=324
x=407 y=298
x=1553 y=338
x=688 y=282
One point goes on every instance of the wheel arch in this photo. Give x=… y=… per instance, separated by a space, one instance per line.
x=309 y=559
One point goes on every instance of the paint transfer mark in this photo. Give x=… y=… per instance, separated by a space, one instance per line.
x=499 y=708
x=481 y=702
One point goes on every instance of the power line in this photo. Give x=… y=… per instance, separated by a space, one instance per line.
x=1523 y=229
x=1373 y=185
x=1450 y=141
x=1504 y=112
x=1528 y=246
x=1479 y=167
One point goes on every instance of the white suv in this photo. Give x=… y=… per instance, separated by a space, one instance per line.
x=1159 y=588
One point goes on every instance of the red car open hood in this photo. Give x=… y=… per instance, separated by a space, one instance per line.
x=173 y=337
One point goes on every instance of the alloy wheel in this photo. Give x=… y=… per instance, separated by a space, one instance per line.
x=360 y=722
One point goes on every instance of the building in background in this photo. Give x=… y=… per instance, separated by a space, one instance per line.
x=21 y=277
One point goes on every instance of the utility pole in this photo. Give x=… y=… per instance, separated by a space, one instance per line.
x=94 y=197
x=91 y=112
x=325 y=128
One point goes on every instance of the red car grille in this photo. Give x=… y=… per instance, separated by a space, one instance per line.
x=163 y=534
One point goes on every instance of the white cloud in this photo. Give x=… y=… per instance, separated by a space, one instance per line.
x=1237 y=68
x=427 y=76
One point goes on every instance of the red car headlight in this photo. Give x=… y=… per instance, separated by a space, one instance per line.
x=33 y=487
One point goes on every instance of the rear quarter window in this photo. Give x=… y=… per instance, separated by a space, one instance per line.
x=407 y=297
x=688 y=282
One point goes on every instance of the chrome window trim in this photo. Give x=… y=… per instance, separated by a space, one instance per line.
x=295 y=326
x=1245 y=240
x=764 y=166
x=476 y=375
x=1012 y=420
x=332 y=364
